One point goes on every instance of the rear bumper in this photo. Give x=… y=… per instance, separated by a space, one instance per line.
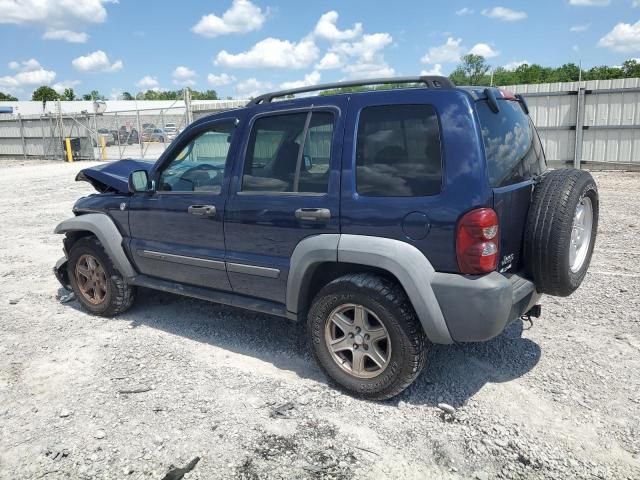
x=478 y=308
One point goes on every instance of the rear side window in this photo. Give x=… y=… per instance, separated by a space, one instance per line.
x=398 y=151
x=289 y=154
x=511 y=144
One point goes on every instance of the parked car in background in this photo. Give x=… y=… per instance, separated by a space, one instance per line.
x=107 y=135
x=154 y=135
x=128 y=137
x=171 y=130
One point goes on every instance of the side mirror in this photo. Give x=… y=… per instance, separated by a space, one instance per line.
x=139 y=182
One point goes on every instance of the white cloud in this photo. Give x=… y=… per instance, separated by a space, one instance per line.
x=635 y=3
x=624 y=37
x=272 y=53
x=311 y=79
x=484 y=50
x=590 y=3
x=54 y=14
x=504 y=14
x=580 y=28
x=330 y=61
x=242 y=17
x=28 y=73
x=362 y=58
x=252 y=87
x=436 y=70
x=450 y=51
x=61 y=86
x=25 y=65
x=369 y=70
x=366 y=49
x=66 y=35
x=465 y=11
x=184 y=76
x=514 y=65
x=116 y=94
x=326 y=28
x=220 y=80
x=148 y=83
x=97 y=61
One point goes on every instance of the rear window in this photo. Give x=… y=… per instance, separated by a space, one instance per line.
x=511 y=144
x=398 y=151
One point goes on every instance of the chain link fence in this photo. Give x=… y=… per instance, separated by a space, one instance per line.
x=111 y=135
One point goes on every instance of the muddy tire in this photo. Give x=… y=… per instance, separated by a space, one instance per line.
x=98 y=286
x=561 y=231
x=366 y=337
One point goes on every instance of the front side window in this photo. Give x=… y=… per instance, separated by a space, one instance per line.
x=289 y=153
x=398 y=151
x=511 y=145
x=199 y=167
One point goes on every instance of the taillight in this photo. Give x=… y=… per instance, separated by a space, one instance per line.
x=478 y=241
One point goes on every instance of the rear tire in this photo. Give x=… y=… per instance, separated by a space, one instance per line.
x=97 y=284
x=561 y=231
x=381 y=357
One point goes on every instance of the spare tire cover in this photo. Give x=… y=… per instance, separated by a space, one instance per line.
x=560 y=232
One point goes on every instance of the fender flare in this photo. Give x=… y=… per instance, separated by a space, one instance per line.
x=106 y=231
x=401 y=259
x=308 y=254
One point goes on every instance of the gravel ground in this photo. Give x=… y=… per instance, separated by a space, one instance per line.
x=559 y=399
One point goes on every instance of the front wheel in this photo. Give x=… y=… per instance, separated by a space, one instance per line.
x=98 y=286
x=366 y=337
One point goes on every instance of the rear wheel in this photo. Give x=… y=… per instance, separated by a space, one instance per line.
x=561 y=231
x=98 y=286
x=366 y=337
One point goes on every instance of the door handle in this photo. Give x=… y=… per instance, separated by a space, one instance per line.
x=313 y=214
x=202 y=210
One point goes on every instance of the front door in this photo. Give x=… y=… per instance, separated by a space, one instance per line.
x=177 y=231
x=286 y=188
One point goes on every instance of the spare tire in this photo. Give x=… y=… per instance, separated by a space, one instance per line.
x=561 y=231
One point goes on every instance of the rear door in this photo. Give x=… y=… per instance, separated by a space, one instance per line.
x=285 y=188
x=514 y=158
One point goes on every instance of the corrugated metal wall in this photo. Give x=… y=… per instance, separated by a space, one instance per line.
x=607 y=110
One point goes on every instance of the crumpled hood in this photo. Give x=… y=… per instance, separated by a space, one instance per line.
x=113 y=176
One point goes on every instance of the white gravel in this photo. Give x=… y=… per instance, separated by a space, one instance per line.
x=558 y=400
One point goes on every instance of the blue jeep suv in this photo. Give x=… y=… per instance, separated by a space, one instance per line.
x=388 y=219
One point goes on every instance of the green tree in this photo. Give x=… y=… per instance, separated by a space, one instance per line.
x=472 y=70
x=68 y=94
x=631 y=68
x=569 y=72
x=603 y=72
x=44 y=94
x=93 y=95
x=126 y=96
x=206 y=95
x=7 y=97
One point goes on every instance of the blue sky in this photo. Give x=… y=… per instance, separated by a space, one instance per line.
x=244 y=47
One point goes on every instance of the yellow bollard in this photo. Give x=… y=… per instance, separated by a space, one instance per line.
x=67 y=142
x=103 y=148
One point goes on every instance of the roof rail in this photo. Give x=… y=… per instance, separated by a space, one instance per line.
x=430 y=81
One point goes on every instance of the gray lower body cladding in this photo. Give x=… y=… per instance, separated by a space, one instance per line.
x=478 y=308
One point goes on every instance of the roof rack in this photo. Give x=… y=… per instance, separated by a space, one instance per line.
x=430 y=81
